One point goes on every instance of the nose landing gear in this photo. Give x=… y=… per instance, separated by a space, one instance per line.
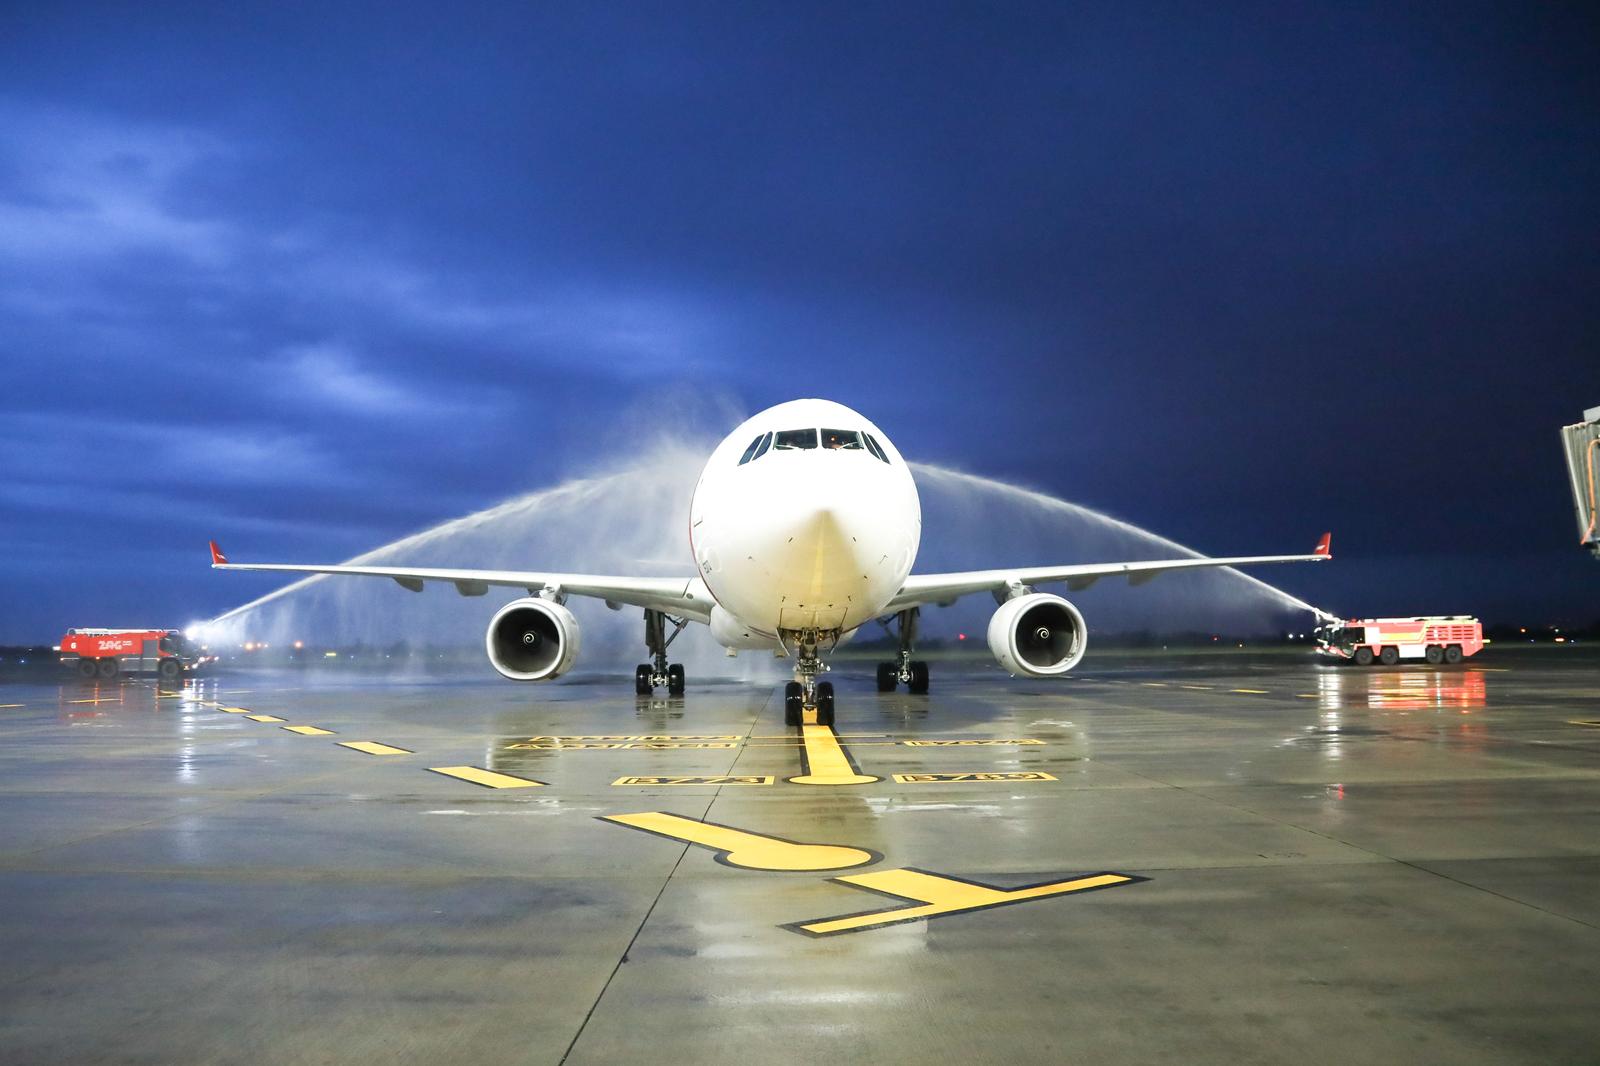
x=805 y=692
x=647 y=677
x=912 y=673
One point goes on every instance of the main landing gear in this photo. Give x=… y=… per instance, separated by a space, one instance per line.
x=647 y=677
x=806 y=691
x=913 y=673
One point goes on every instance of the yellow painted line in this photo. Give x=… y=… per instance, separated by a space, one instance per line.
x=8 y=705
x=477 y=775
x=1250 y=691
x=1207 y=687
x=930 y=779
x=826 y=761
x=1153 y=684
x=648 y=745
x=1306 y=695
x=103 y=699
x=372 y=747
x=233 y=710
x=752 y=780
x=1591 y=722
x=310 y=730
x=169 y=695
x=1007 y=743
x=265 y=718
x=751 y=851
x=634 y=738
x=935 y=895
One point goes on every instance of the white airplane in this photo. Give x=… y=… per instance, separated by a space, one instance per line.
x=804 y=526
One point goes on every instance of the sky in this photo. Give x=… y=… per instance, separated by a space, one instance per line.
x=307 y=278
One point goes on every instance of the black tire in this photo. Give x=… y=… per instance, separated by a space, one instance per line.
x=1363 y=657
x=1389 y=656
x=793 y=705
x=1452 y=654
x=170 y=669
x=675 y=679
x=825 y=703
x=1434 y=654
x=107 y=668
x=641 y=680
x=886 y=677
x=86 y=667
x=919 y=678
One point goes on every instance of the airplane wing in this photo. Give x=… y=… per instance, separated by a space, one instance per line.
x=683 y=596
x=922 y=589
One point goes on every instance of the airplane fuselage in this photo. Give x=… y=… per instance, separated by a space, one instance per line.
x=805 y=519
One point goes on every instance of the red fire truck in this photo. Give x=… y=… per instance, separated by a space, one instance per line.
x=106 y=653
x=1445 y=638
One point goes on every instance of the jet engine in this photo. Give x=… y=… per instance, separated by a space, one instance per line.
x=532 y=640
x=1038 y=635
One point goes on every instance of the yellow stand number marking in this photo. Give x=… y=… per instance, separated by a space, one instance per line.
x=936 y=895
x=826 y=761
x=750 y=851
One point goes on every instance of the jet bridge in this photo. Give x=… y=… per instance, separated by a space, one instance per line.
x=1582 y=441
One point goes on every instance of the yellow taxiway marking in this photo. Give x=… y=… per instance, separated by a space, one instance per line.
x=233 y=710
x=1307 y=695
x=932 y=779
x=753 y=780
x=102 y=699
x=1153 y=684
x=477 y=775
x=1587 y=722
x=12 y=705
x=627 y=737
x=265 y=718
x=1206 y=687
x=646 y=745
x=372 y=747
x=826 y=761
x=309 y=730
x=970 y=743
x=1250 y=691
x=170 y=695
x=936 y=895
x=751 y=851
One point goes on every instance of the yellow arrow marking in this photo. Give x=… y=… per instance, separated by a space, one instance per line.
x=751 y=851
x=265 y=718
x=477 y=775
x=826 y=760
x=935 y=895
x=309 y=730
x=372 y=747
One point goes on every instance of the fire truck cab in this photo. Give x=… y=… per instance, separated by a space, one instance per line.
x=106 y=653
x=1436 y=639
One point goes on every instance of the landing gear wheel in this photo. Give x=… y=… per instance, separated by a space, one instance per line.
x=1434 y=654
x=793 y=704
x=886 y=677
x=1452 y=654
x=641 y=680
x=1389 y=656
x=169 y=670
x=1363 y=656
x=675 y=679
x=919 y=678
x=824 y=702
x=86 y=667
x=107 y=668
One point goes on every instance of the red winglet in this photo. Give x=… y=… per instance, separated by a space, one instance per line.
x=217 y=558
x=1324 y=546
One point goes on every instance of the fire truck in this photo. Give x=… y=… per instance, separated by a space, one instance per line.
x=1447 y=638
x=106 y=653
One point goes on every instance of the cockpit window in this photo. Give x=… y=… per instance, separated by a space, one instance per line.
x=750 y=452
x=841 y=439
x=794 y=439
x=875 y=448
x=761 y=449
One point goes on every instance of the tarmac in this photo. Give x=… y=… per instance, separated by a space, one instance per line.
x=1224 y=858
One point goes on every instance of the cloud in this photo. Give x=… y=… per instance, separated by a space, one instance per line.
x=329 y=373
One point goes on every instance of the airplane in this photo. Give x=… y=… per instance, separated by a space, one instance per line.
x=803 y=527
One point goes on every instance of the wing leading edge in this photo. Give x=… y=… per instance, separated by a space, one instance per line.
x=685 y=596
x=920 y=589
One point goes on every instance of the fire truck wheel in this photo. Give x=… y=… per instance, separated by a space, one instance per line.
x=1434 y=654
x=107 y=668
x=170 y=670
x=1389 y=656
x=85 y=667
x=1452 y=654
x=1363 y=656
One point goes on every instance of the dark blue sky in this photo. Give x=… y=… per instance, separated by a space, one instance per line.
x=308 y=279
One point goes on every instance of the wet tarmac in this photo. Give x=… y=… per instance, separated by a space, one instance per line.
x=1224 y=858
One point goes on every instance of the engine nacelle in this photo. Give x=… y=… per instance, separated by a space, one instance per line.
x=532 y=640
x=1038 y=635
